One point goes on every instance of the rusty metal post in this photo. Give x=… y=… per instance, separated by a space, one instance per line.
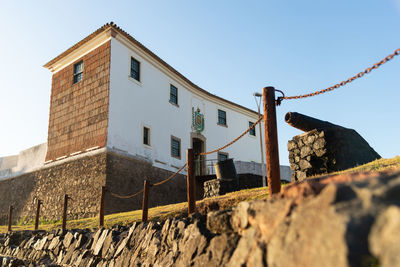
x=64 y=220
x=271 y=141
x=10 y=210
x=102 y=200
x=145 y=203
x=191 y=182
x=39 y=202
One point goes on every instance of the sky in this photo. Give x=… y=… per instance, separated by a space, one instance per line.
x=229 y=48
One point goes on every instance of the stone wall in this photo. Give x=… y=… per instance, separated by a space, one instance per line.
x=79 y=111
x=126 y=175
x=82 y=179
x=217 y=187
x=308 y=155
x=328 y=150
x=348 y=220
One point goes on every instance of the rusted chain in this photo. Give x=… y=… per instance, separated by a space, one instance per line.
x=230 y=143
x=172 y=176
x=125 y=197
x=156 y=184
x=359 y=75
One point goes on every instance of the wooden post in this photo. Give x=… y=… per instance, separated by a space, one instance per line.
x=271 y=141
x=39 y=202
x=145 y=203
x=102 y=200
x=64 y=221
x=191 y=182
x=10 y=210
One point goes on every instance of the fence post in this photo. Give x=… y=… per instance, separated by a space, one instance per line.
x=64 y=221
x=10 y=210
x=191 y=183
x=145 y=204
x=102 y=200
x=271 y=141
x=39 y=202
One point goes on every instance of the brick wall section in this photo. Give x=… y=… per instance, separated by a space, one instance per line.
x=79 y=112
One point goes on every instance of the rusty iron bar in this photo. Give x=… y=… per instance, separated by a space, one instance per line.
x=10 y=210
x=271 y=142
x=145 y=203
x=64 y=220
x=191 y=183
x=102 y=204
x=306 y=123
x=39 y=202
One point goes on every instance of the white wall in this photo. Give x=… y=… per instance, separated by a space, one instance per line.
x=27 y=160
x=133 y=105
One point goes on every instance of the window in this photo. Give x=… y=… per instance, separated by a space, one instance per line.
x=222 y=156
x=135 y=69
x=175 y=147
x=173 y=94
x=146 y=136
x=78 y=72
x=252 y=130
x=221 y=117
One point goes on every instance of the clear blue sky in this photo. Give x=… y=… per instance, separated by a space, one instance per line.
x=230 y=48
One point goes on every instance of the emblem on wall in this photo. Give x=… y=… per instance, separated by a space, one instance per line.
x=197 y=120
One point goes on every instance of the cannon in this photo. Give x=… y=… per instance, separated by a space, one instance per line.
x=306 y=123
x=325 y=147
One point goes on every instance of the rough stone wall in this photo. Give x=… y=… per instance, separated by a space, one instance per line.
x=308 y=155
x=327 y=150
x=217 y=187
x=350 y=220
x=79 y=112
x=126 y=175
x=81 y=179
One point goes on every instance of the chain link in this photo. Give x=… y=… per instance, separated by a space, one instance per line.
x=359 y=75
x=156 y=184
x=172 y=176
x=230 y=143
x=126 y=197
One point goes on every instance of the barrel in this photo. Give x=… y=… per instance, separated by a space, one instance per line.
x=225 y=170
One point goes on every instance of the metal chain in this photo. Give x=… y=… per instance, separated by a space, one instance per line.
x=230 y=143
x=172 y=176
x=359 y=75
x=125 y=197
x=156 y=184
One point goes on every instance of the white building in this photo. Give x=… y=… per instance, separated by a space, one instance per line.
x=110 y=92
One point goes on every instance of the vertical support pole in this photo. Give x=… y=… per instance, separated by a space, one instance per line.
x=271 y=141
x=102 y=200
x=145 y=203
x=191 y=182
x=39 y=202
x=64 y=221
x=10 y=210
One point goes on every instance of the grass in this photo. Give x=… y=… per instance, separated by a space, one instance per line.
x=180 y=209
x=156 y=213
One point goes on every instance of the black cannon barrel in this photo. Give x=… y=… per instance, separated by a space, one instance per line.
x=306 y=123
